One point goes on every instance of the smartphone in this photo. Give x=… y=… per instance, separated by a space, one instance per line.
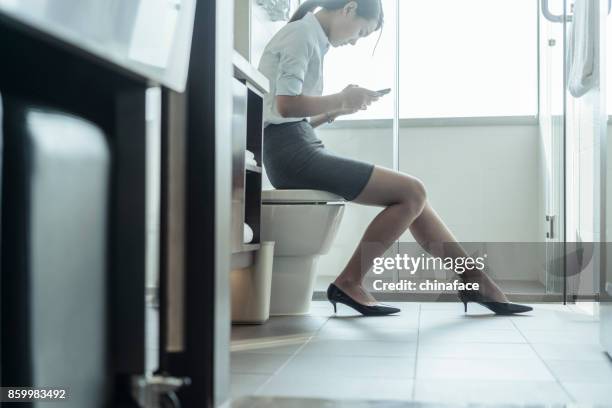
x=383 y=91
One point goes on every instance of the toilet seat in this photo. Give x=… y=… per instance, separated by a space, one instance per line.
x=310 y=197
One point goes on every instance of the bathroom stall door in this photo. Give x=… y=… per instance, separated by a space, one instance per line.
x=552 y=26
x=573 y=125
x=586 y=127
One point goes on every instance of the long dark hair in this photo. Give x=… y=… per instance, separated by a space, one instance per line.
x=368 y=9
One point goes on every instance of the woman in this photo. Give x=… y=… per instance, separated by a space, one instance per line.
x=296 y=159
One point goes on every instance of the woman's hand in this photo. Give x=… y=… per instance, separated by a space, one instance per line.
x=355 y=98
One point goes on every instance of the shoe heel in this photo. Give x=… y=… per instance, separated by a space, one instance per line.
x=463 y=300
x=336 y=295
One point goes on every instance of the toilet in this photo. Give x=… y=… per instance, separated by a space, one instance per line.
x=303 y=224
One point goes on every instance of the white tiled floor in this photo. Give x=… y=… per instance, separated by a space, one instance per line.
x=431 y=352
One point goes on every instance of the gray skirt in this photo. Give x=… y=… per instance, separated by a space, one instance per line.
x=295 y=158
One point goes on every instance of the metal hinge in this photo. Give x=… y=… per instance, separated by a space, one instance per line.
x=157 y=391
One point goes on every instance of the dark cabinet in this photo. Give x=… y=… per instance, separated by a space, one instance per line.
x=248 y=90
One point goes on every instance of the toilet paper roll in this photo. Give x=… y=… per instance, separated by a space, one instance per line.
x=249 y=158
x=248 y=233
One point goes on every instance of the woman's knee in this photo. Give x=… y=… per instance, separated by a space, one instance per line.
x=414 y=194
x=387 y=187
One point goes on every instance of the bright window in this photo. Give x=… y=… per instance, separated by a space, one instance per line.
x=465 y=58
x=366 y=66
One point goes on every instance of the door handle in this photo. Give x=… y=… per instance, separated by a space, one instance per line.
x=559 y=18
x=553 y=17
x=550 y=219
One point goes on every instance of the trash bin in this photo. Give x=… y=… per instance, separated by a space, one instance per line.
x=251 y=288
x=54 y=253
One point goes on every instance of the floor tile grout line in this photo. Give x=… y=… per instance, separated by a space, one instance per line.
x=567 y=393
x=296 y=352
x=413 y=394
x=291 y=357
x=419 y=311
x=416 y=354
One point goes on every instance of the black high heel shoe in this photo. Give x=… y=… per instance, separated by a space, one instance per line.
x=500 y=308
x=337 y=295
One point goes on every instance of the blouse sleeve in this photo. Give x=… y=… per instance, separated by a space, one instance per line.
x=293 y=64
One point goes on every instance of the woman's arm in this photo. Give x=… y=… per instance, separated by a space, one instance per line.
x=326 y=117
x=302 y=106
x=319 y=120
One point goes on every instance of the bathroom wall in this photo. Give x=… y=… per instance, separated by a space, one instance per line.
x=483 y=181
x=242 y=33
x=262 y=30
x=254 y=28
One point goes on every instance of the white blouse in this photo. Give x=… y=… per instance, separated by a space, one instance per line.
x=293 y=63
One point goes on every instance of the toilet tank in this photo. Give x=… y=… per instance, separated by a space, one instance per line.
x=301 y=229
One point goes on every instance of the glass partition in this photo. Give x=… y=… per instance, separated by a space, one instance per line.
x=586 y=128
x=367 y=135
x=479 y=112
x=552 y=141
x=468 y=108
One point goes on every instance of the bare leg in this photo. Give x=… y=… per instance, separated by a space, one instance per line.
x=406 y=205
x=404 y=199
x=429 y=229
